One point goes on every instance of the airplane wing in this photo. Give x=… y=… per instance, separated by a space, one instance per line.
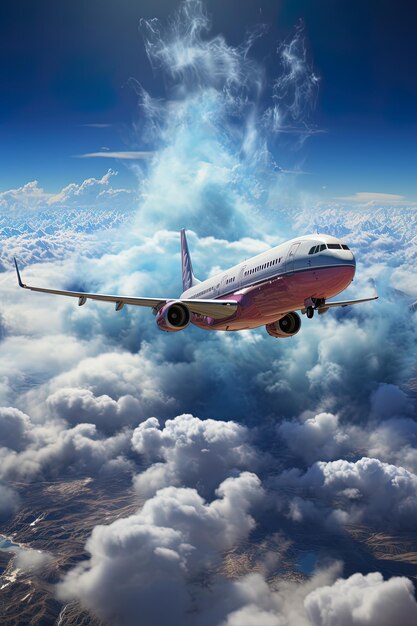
x=329 y=305
x=217 y=309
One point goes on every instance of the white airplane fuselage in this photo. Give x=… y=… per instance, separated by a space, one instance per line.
x=283 y=279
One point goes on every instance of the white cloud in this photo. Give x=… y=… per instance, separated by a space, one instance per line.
x=126 y=154
x=141 y=567
x=363 y=601
x=14 y=429
x=55 y=449
x=194 y=452
x=90 y=190
x=317 y=438
x=339 y=492
x=29 y=196
x=32 y=561
x=388 y=433
x=375 y=198
x=89 y=193
x=77 y=405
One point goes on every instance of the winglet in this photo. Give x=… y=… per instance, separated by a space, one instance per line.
x=19 y=280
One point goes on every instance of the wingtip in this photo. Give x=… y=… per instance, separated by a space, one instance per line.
x=19 y=280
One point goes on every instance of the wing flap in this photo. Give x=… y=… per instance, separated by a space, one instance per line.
x=217 y=309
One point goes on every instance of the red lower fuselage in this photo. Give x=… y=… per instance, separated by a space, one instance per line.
x=270 y=300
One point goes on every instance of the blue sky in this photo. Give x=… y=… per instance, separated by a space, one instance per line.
x=68 y=65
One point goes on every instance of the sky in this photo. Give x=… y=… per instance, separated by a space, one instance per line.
x=236 y=445
x=68 y=67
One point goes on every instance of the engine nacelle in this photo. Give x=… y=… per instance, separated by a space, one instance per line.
x=287 y=326
x=172 y=317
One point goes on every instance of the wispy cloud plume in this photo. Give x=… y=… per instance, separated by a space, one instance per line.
x=295 y=90
x=127 y=155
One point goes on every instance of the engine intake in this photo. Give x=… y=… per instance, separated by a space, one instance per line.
x=172 y=317
x=287 y=326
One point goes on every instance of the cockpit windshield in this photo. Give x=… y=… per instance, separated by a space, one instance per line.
x=329 y=246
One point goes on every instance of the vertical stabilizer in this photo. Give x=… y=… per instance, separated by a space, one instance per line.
x=188 y=278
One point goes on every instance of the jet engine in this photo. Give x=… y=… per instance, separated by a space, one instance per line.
x=287 y=326
x=172 y=317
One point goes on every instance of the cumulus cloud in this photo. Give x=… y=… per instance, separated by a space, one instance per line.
x=14 y=429
x=388 y=433
x=318 y=437
x=322 y=601
x=250 y=600
x=339 y=492
x=81 y=405
x=28 y=196
x=43 y=226
x=342 y=360
x=194 y=452
x=363 y=601
x=56 y=450
x=173 y=539
x=91 y=192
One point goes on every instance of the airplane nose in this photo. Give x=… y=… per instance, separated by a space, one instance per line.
x=347 y=256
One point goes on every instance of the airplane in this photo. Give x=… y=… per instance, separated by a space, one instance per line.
x=265 y=290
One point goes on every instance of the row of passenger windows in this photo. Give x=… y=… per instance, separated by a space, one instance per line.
x=203 y=293
x=263 y=267
x=330 y=246
x=313 y=250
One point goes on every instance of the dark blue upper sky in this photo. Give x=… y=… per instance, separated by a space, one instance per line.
x=67 y=64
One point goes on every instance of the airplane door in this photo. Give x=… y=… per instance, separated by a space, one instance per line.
x=289 y=265
x=222 y=287
x=241 y=275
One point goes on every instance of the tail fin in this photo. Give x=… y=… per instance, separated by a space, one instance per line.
x=188 y=278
